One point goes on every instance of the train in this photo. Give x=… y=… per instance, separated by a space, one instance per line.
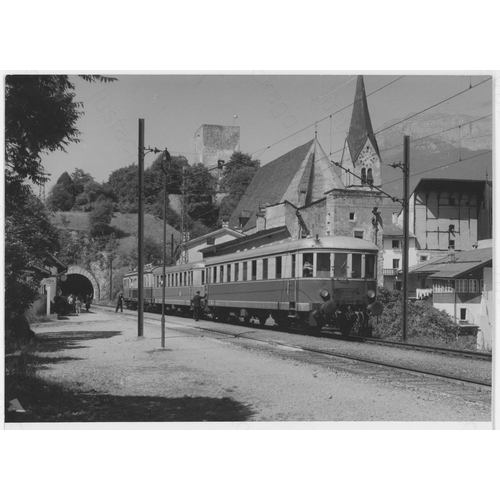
x=312 y=283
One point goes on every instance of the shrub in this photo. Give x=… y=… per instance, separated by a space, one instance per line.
x=424 y=320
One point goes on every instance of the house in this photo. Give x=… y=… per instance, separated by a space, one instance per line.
x=461 y=285
x=49 y=272
x=450 y=214
x=192 y=248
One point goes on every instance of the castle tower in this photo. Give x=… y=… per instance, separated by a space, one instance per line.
x=215 y=142
x=363 y=156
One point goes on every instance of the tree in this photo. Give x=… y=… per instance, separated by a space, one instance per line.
x=80 y=178
x=61 y=197
x=153 y=253
x=29 y=238
x=100 y=218
x=200 y=188
x=238 y=173
x=40 y=116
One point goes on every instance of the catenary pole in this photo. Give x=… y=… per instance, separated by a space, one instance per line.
x=140 y=284
x=165 y=159
x=406 y=232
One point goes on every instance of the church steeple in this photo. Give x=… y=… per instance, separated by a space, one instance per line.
x=361 y=141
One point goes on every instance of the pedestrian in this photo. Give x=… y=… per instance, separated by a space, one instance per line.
x=78 y=305
x=196 y=301
x=87 y=302
x=119 y=303
x=70 y=303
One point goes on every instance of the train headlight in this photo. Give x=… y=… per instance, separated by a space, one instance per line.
x=324 y=294
x=370 y=294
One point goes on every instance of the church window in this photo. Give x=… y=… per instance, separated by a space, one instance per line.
x=363 y=175
x=370 y=177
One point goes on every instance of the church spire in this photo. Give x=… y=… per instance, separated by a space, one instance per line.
x=361 y=126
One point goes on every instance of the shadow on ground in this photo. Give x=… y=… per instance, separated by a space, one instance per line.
x=48 y=402
x=40 y=362
x=57 y=341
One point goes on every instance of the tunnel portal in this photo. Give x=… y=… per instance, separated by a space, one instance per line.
x=80 y=282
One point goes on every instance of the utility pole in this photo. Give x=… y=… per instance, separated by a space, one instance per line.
x=406 y=231
x=165 y=160
x=140 y=284
x=405 y=167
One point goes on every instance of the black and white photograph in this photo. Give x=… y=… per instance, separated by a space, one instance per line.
x=249 y=249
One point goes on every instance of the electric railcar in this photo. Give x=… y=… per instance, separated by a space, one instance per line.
x=330 y=280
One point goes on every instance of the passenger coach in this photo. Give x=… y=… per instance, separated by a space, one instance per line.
x=308 y=282
x=313 y=282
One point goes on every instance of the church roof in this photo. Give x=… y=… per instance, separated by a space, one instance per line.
x=361 y=125
x=300 y=177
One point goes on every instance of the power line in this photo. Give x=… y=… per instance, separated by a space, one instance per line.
x=433 y=106
x=442 y=166
x=441 y=132
x=323 y=119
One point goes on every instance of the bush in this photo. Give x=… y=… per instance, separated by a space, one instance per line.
x=424 y=320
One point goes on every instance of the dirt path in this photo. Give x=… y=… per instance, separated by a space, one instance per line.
x=200 y=378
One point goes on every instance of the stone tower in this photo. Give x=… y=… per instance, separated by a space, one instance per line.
x=215 y=142
x=362 y=155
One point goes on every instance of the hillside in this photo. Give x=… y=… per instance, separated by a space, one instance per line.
x=126 y=226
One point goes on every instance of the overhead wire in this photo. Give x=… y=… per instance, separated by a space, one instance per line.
x=323 y=119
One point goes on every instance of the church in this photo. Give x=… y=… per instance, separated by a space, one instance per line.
x=303 y=194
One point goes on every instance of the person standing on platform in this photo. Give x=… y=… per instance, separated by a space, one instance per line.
x=119 y=303
x=196 y=301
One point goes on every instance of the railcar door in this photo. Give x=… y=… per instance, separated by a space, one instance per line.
x=291 y=289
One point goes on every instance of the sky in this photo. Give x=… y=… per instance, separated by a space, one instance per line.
x=275 y=112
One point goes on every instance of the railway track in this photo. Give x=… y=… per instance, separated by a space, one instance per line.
x=358 y=359
x=441 y=350
x=414 y=372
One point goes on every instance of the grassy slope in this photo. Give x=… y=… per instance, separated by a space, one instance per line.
x=126 y=224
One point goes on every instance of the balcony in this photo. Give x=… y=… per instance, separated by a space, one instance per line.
x=390 y=272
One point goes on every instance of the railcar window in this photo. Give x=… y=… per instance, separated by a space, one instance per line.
x=245 y=271
x=265 y=268
x=254 y=270
x=176 y=279
x=228 y=273
x=203 y=277
x=323 y=265
x=307 y=265
x=294 y=261
x=214 y=270
x=356 y=265
x=278 y=267
x=237 y=271
x=370 y=266
x=340 y=265
x=221 y=274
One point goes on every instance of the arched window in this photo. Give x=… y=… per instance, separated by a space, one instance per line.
x=363 y=175
x=370 y=177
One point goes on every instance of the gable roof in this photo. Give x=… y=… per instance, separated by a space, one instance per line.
x=300 y=177
x=464 y=262
x=361 y=125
